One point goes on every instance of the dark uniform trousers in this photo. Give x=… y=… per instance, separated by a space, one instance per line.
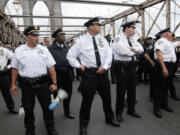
x=161 y=86
x=29 y=92
x=126 y=81
x=78 y=73
x=113 y=77
x=64 y=81
x=146 y=70
x=5 y=84
x=171 y=86
x=90 y=84
x=151 y=82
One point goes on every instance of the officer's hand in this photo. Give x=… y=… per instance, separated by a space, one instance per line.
x=82 y=67
x=165 y=72
x=6 y=68
x=133 y=50
x=153 y=64
x=14 y=90
x=53 y=87
x=100 y=70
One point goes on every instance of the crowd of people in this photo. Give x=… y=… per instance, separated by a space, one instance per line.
x=42 y=69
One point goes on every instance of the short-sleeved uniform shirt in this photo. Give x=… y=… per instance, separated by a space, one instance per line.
x=5 y=55
x=32 y=62
x=167 y=48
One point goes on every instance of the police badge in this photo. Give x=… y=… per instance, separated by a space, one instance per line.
x=1 y=52
x=101 y=43
x=150 y=47
x=41 y=52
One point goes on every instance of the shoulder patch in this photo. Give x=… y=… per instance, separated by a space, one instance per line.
x=1 y=52
x=160 y=42
x=117 y=39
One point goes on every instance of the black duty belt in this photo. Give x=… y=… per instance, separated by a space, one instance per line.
x=93 y=70
x=169 y=63
x=124 y=62
x=3 y=72
x=33 y=82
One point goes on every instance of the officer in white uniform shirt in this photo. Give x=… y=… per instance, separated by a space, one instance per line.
x=95 y=56
x=171 y=87
x=32 y=62
x=124 y=49
x=165 y=58
x=5 y=81
x=113 y=77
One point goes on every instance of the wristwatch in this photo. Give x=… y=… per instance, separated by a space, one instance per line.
x=54 y=83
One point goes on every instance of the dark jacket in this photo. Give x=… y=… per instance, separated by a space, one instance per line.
x=59 y=53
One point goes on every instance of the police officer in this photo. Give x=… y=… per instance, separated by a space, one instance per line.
x=147 y=46
x=5 y=81
x=140 y=64
x=95 y=56
x=32 y=62
x=124 y=49
x=165 y=58
x=47 y=41
x=171 y=87
x=113 y=78
x=63 y=69
x=149 y=64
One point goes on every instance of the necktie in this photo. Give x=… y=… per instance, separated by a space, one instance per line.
x=98 y=60
x=130 y=44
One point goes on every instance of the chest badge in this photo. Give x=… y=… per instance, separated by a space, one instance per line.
x=41 y=52
x=1 y=52
x=150 y=47
x=101 y=43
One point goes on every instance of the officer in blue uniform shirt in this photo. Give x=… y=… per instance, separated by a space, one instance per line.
x=63 y=69
x=95 y=56
x=33 y=62
x=125 y=47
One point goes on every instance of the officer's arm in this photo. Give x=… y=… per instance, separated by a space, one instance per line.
x=14 y=71
x=161 y=62
x=9 y=56
x=50 y=65
x=138 y=48
x=52 y=73
x=14 y=74
x=120 y=48
x=149 y=58
x=108 y=59
x=73 y=54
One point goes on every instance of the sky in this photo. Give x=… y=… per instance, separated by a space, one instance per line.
x=89 y=10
